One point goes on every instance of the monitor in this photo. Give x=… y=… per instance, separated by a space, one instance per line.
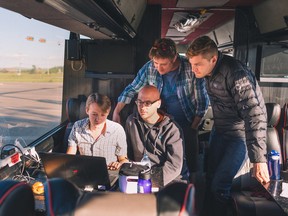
x=271 y=15
x=274 y=62
x=109 y=57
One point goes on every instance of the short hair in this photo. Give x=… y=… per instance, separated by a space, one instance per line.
x=102 y=101
x=163 y=48
x=204 y=46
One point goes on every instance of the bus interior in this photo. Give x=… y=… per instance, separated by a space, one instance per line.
x=109 y=41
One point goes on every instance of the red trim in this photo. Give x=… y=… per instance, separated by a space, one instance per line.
x=10 y=190
x=66 y=109
x=50 y=199
x=183 y=208
x=285 y=115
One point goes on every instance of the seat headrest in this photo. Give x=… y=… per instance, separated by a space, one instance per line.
x=16 y=198
x=60 y=196
x=72 y=109
x=273 y=113
x=176 y=198
x=76 y=108
x=63 y=198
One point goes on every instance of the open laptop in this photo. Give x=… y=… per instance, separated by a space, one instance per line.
x=87 y=172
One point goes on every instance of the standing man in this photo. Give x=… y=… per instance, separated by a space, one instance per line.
x=150 y=132
x=184 y=97
x=240 y=120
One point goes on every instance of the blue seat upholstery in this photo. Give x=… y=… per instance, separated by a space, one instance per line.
x=63 y=198
x=16 y=198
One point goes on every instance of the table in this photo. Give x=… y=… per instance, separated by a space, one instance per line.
x=274 y=188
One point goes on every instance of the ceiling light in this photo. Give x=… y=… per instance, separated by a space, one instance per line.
x=188 y=23
x=191 y=21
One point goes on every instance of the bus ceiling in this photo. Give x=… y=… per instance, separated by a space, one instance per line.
x=181 y=20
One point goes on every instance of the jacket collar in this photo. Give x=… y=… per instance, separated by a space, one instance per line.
x=219 y=59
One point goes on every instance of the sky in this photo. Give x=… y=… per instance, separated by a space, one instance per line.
x=17 y=51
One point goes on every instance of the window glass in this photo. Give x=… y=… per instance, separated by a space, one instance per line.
x=31 y=77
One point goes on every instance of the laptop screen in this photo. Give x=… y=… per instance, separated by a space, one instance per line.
x=86 y=172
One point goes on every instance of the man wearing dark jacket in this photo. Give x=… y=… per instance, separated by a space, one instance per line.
x=153 y=133
x=240 y=120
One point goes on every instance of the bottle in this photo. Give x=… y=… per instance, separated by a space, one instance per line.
x=274 y=165
x=145 y=160
x=144 y=184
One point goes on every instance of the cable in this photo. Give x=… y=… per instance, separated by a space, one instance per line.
x=32 y=156
x=23 y=163
x=27 y=178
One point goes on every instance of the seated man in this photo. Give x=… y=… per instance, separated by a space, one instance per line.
x=153 y=133
x=97 y=135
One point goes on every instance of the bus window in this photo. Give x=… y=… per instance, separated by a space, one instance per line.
x=31 y=77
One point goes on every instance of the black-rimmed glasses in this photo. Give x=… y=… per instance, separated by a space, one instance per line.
x=145 y=103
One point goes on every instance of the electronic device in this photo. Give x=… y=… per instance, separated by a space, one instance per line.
x=86 y=172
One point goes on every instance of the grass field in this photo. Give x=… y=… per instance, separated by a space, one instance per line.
x=28 y=77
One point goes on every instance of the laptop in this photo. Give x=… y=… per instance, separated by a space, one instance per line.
x=86 y=172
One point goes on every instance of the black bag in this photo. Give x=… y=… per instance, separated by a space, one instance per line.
x=132 y=169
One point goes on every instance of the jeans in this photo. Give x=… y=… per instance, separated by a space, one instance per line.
x=226 y=155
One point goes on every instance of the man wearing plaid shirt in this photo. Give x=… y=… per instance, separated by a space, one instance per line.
x=184 y=96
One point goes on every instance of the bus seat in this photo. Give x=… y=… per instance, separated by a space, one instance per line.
x=249 y=203
x=63 y=198
x=244 y=201
x=273 y=116
x=282 y=128
x=75 y=110
x=16 y=198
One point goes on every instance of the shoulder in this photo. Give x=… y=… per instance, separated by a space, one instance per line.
x=148 y=66
x=113 y=126
x=130 y=121
x=170 y=123
x=130 y=117
x=111 y=123
x=82 y=123
x=184 y=61
x=232 y=64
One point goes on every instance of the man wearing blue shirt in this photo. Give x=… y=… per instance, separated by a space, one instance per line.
x=184 y=96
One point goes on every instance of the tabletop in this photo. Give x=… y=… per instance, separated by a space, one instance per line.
x=278 y=190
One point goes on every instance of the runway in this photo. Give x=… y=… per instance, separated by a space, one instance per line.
x=28 y=110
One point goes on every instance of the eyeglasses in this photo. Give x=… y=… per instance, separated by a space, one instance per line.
x=145 y=103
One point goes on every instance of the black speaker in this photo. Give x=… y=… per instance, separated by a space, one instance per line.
x=73 y=49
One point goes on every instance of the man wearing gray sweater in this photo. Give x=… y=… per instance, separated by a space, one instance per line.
x=153 y=133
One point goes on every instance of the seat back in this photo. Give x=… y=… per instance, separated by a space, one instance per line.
x=273 y=117
x=63 y=198
x=243 y=177
x=16 y=198
x=282 y=128
x=75 y=110
x=244 y=202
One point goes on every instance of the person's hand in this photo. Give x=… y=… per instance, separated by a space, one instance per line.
x=260 y=172
x=114 y=165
